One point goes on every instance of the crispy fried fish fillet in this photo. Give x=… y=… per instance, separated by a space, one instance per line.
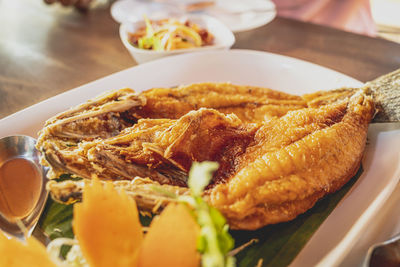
x=66 y=137
x=280 y=169
x=300 y=157
x=101 y=117
x=278 y=153
x=249 y=103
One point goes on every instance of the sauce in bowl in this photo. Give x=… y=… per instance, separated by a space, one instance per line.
x=20 y=188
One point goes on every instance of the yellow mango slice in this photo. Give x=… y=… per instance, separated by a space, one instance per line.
x=106 y=225
x=15 y=253
x=171 y=240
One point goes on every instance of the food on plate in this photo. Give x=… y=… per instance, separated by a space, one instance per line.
x=16 y=201
x=170 y=34
x=107 y=236
x=177 y=229
x=15 y=253
x=108 y=232
x=277 y=153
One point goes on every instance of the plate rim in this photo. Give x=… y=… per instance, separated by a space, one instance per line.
x=174 y=57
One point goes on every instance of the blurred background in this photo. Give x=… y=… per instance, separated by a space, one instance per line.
x=386 y=14
x=369 y=17
x=50 y=46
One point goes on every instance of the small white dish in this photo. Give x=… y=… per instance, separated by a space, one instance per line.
x=223 y=38
x=237 y=15
x=242 y=15
x=133 y=10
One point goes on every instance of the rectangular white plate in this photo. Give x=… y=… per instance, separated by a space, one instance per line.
x=338 y=240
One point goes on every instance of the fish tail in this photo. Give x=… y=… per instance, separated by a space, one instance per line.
x=386 y=93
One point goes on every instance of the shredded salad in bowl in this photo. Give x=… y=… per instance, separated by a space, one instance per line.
x=170 y=34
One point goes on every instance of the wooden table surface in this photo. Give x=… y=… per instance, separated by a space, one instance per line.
x=46 y=50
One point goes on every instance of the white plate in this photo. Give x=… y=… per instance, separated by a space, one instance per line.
x=238 y=15
x=341 y=232
x=255 y=13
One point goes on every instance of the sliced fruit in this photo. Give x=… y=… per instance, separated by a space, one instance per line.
x=16 y=253
x=107 y=227
x=171 y=239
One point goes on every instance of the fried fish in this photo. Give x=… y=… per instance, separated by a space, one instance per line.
x=278 y=153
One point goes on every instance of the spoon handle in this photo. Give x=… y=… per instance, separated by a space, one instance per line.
x=384 y=254
x=41 y=236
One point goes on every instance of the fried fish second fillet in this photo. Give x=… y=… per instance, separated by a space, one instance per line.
x=298 y=159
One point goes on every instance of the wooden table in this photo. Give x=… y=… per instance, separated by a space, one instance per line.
x=46 y=50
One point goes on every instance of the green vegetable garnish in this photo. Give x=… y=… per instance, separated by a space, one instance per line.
x=150 y=40
x=215 y=241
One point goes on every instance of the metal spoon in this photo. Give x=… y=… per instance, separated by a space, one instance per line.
x=21 y=146
x=384 y=254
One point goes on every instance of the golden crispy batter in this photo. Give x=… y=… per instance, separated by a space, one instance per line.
x=249 y=103
x=278 y=153
x=103 y=116
x=303 y=156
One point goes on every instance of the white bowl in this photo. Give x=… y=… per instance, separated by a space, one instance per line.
x=223 y=38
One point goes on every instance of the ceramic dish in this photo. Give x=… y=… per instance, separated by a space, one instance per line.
x=223 y=38
x=237 y=15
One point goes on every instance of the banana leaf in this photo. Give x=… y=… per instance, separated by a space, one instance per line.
x=277 y=244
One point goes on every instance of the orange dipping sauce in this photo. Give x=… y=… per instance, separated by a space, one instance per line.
x=20 y=186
